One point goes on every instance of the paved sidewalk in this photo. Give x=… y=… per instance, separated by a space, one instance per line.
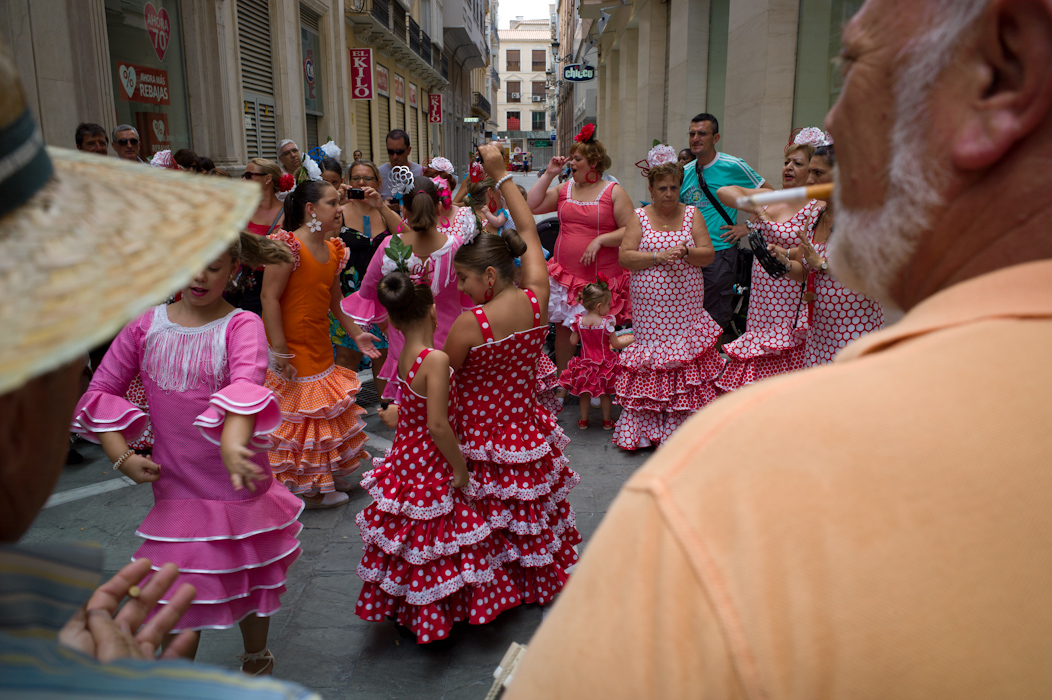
x=316 y=638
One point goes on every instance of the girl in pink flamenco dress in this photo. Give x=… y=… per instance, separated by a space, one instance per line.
x=218 y=513
x=430 y=560
x=430 y=261
x=592 y=374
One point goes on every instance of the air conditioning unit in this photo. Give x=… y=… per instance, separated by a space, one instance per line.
x=514 y=95
x=538 y=98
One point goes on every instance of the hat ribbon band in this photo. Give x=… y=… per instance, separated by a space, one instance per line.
x=24 y=164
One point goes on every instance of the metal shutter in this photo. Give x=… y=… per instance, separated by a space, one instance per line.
x=257 y=83
x=425 y=123
x=309 y=19
x=399 y=115
x=363 y=123
x=312 y=132
x=411 y=129
x=383 y=104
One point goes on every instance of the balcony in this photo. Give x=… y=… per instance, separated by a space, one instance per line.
x=462 y=34
x=480 y=106
x=385 y=26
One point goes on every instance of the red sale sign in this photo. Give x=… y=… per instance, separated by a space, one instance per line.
x=435 y=109
x=362 y=74
x=159 y=29
x=142 y=84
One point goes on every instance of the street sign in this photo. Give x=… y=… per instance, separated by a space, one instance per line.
x=579 y=73
x=471 y=120
x=540 y=144
x=553 y=136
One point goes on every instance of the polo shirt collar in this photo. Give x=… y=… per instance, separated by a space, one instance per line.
x=1020 y=291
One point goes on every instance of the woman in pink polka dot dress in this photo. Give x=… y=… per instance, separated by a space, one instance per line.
x=838 y=315
x=776 y=328
x=667 y=373
x=513 y=446
x=430 y=560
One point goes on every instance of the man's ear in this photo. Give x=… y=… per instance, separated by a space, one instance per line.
x=1008 y=81
x=715 y=139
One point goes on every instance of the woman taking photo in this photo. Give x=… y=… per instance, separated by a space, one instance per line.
x=667 y=373
x=593 y=213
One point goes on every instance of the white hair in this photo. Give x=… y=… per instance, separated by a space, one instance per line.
x=283 y=142
x=872 y=247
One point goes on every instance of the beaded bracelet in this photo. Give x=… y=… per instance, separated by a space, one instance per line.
x=120 y=460
x=501 y=181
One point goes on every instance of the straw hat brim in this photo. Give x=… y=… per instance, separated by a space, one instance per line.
x=102 y=242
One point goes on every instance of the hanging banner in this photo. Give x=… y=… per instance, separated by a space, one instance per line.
x=399 y=88
x=382 y=81
x=362 y=74
x=434 y=115
x=142 y=84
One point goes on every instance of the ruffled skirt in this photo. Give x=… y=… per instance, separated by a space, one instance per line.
x=546 y=383
x=758 y=355
x=661 y=383
x=430 y=560
x=236 y=553
x=523 y=482
x=321 y=433
x=587 y=376
x=563 y=303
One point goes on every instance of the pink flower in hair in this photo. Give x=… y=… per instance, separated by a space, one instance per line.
x=444 y=194
x=812 y=136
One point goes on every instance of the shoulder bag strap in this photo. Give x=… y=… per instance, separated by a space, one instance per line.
x=708 y=194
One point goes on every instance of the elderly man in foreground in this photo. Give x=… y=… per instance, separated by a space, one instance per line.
x=892 y=538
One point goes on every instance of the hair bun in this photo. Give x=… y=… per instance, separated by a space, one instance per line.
x=396 y=291
x=514 y=241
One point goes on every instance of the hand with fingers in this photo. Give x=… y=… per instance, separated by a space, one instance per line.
x=99 y=630
x=140 y=469
x=244 y=473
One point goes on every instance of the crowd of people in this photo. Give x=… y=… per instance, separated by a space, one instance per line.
x=750 y=554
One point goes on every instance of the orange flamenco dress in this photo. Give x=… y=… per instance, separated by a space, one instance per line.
x=321 y=433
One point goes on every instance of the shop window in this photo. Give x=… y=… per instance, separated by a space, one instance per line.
x=149 y=72
x=537 y=121
x=310 y=46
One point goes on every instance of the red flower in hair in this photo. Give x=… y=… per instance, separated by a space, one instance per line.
x=286 y=183
x=586 y=134
x=602 y=280
x=477 y=172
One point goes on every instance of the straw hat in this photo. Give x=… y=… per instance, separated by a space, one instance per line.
x=88 y=242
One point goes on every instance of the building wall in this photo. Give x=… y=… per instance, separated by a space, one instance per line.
x=514 y=39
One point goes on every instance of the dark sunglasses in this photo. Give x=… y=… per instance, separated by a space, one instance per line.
x=248 y=176
x=396 y=151
x=125 y=142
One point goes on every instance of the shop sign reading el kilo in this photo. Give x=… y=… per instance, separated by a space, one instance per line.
x=579 y=73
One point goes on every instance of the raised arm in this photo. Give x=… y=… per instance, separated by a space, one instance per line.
x=541 y=199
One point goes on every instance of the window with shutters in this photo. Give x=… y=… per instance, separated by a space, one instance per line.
x=511 y=60
x=538 y=93
x=383 y=109
x=257 y=82
x=538 y=121
x=514 y=123
x=538 y=60
x=513 y=87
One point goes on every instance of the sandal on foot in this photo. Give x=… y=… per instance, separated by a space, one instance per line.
x=608 y=425
x=265 y=655
x=582 y=424
x=328 y=500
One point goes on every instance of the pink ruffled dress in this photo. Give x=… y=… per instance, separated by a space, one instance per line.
x=594 y=371
x=430 y=559
x=235 y=547
x=579 y=224
x=437 y=270
x=514 y=449
x=776 y=327
x=667 y=374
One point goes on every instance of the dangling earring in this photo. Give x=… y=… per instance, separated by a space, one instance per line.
x=489 y=294
x=314 y=225
x=493 y=206
x=589 y=179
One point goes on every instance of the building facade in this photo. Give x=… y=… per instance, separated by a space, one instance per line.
x=523 y=118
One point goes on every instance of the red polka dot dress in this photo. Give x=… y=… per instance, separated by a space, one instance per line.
x=838 y=315
x=773 y=342
x=547 y=383
x=667 y=373
x=430 y=559
x=514 y=451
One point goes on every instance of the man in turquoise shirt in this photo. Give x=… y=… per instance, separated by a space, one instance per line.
x=718 y=170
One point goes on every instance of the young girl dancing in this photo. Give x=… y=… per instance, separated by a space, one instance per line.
x=320 y=438
x=513 y=446
x=592 y=373
x=430 y=560
x=217 y=513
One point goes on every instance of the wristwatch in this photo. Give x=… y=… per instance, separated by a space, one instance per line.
x=824 y=267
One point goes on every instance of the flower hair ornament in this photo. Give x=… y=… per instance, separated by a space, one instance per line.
x=586 y=134
x=401 y=181
x=331 y=150
x=658 y=155
x=164 y=160
x=309 y=171
x=400 y=253
x=810 y=136
x=477 y=172
x=286 y=183
x=603 y=281
x=442 y=165
x=444 y=195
